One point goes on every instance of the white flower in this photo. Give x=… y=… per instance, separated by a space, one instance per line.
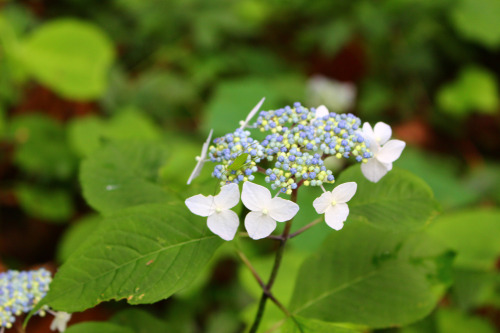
x=321 y=111
x=60 y=321
x=265 y=210
x=200 y=159
x=221 y=220
x=337 y=96
x=385 y=151
x=252 y=113
x=333 y=204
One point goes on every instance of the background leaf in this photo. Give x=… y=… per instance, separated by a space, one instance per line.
x=72 y=57
x=400 y=201
x=367 y=276
x=101 y=327
x=143 y=254
x=123 y=174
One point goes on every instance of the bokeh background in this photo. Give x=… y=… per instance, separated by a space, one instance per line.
x=75 y=74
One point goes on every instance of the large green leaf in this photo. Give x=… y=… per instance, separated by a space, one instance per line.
x=371 y=277
x=70 y=56
x=475 y=89
x=143 y=254
x=140 y=321
x=474 y=234
x=477 y=20
x=86 y=135
x=307 y=325
x=76 y=235
x=101 y=327
x=400 y=201
x=123 y=174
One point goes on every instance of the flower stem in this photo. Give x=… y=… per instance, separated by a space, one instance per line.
x=266 y=293
x=304 y=228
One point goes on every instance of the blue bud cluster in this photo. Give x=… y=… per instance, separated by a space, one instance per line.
x=20 y=291
x=296 y=144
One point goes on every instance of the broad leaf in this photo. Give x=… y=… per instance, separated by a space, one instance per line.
x=101 y=327
x=143 y=254
x=400 y=201
x=366 y=276
x=76 y=235
x=123 y=174
x=477 y=20
x=71 y=57
x=474 y=234
x=307 y=325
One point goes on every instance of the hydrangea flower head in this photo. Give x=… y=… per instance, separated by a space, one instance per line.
x=20 y=291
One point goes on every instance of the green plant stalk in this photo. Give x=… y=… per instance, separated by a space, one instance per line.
x=266 y=292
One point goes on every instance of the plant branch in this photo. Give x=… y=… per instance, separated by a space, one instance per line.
x=266 y=293
x=304 y=228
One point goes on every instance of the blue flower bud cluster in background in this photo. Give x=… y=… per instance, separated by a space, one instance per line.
x=20 y=291
x=295 y=147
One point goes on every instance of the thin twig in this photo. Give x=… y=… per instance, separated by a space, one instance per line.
x=304 y=228
x=251 y=268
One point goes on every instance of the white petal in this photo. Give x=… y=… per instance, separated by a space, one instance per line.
x=321 y=111
x=391 y=151
x=201 y=205
x=224 y=224
x=196 y=171
x=336 y=215
x=382 y=132
x=368 y=132
x=228 y=197
x=374 y=170
x=203 y=155
x=344 y=192
x=282 y=210
x=255 y=197
x=205 y=146
x=252 y=113
x=323 y=202
x=259 y=225
x=60 y=321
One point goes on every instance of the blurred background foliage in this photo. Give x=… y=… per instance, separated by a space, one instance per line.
x=77 y=74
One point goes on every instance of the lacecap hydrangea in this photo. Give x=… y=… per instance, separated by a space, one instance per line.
x=20 y=291
x=292 y=146
x=297 y=142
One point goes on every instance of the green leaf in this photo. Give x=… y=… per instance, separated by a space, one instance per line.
x=308 y=325
x=453 y=321
x=477 y=20
x=475 y=89
x=472 y=288
x=76 y=235
x=233 y=100
x=86 y=135
x=400 y=201
x=142 y=254
x=473 y=234
x=123 y=174
x=441 y=173
x=42 y=149
x=101 y=327
x=71 y=57
x=368 y=276
x=54 y=205
x=140 y=321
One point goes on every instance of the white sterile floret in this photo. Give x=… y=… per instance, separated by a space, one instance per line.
x=334 y=204
x=321 y=111
x=60 y=321
x=221 y=220
x=252 y=113
x=265 y=210
x=200 y=159
x=385 y=151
